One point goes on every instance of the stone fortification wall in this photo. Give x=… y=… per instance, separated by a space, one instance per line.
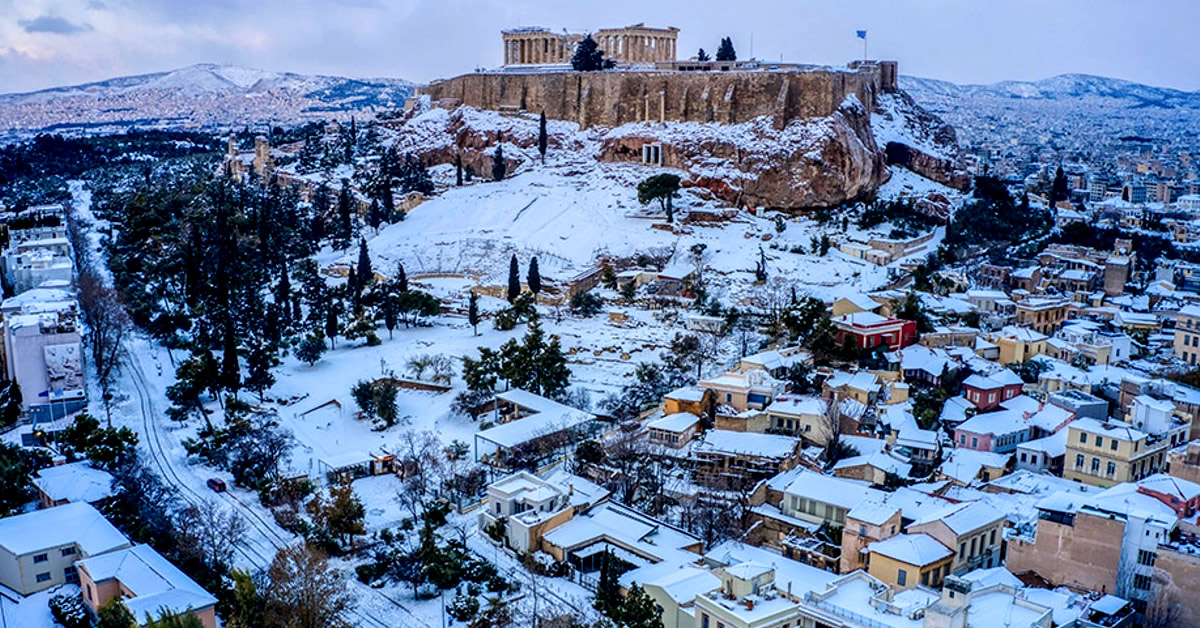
x=614 y=98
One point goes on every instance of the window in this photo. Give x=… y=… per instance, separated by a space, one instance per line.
x=962 y=439
x=1099 y=441
x=1079 y=461
x=973 y=546
x=1146 y=558
x=962 y=550
x=703 y=621
x=974 y=442
x=1083 y=438
x=1095 y=465
x=68 y=551
x=925 y=578
x=901 y=577
x=88 y=592
x=1141 y=582
x=1023 y=457
x=862 y=529
x=43 y=577
x=993 y=541
x=1112 y=469
x=39 y=558
x=1113 y=444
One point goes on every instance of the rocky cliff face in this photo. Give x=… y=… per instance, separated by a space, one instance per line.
x=815 y=162
x=810 y=162
x=919 y=141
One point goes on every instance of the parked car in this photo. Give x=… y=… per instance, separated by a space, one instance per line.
x=216 y=484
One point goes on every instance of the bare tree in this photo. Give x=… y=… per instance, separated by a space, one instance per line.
x=422 y=457
x=305 y=591
x=210 y=532
x=107 y=324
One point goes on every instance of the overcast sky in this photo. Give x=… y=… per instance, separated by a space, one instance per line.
x=45 y=43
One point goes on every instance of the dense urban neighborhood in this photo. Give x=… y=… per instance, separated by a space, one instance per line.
x=604 y=336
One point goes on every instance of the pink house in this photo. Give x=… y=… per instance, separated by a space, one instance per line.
x=987 y=393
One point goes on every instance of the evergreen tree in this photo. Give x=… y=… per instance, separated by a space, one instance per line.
x=661 y=188
x=114 y=614
x=542 y=137
x=534 y=278
x=1059 y=190
x=414 y=177
x=366 y=274
x=473 y=313
x=231 y=378
x=283 y=298
x=458 y=173
x=725 y=51
x=514 y=279
x=310 y=349
x=375 y=214
x=499 y=167
x=343 y=233
x=247 y=611
x=702 y=56
x=608 y=587
x=332 y=327
x=259 y=360
x=318 y=229
x=167 y=619
x=10 y=403
x=589 y=57
x=639 y=610
x=401 y=279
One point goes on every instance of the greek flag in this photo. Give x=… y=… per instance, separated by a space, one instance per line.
x=861 y=34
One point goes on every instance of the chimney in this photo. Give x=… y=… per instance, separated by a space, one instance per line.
x=571 y=488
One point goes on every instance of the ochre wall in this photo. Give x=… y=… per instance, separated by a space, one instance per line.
x=615 y=98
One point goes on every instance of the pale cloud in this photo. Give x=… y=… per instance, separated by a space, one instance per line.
x=961 y=41
x=53 y=24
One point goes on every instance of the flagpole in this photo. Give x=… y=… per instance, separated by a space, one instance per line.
x=865 y=45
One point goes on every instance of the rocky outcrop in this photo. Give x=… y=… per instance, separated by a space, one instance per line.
x=816 y=162
x=917 y=140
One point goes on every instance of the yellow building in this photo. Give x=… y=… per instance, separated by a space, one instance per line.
x=974 y=528
x=1043 y=315
x=1187 y=334
x=1109 y=453
x=908 y=560
x=1018 y=344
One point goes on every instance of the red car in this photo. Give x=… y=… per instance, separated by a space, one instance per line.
x=216 y=484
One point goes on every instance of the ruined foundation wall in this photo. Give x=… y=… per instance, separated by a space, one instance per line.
x=614 y=98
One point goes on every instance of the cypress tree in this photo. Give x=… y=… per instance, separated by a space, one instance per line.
x=458 y=170
x=534 y=278
x=702 y=56
x=514 y=279
x=542 y=137
x=231 y=376
x=375 y=214
x=331 y=321
x=473 y=314
x=499 y=168
x=401 y=279
x=365 y=273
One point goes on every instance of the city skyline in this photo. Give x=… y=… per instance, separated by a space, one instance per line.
x=44 y=43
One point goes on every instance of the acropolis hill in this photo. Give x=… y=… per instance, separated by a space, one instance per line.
x=648 y=84
x=789 y=135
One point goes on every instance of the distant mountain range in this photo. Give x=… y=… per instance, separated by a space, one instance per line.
x=203 y=96
x=1062 y=87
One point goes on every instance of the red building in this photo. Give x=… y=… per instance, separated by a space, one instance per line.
x=991 y=391
x=870 y=330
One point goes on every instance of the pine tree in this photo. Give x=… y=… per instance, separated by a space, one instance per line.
x=702 y=56
x=499 y=167
x=514 y=279
x=725 y=51
x=310 y=349
x=318 y=230
x=283 y=298
x=473 y=314
x=542 y=138
x=458 y=173
x=114 y=614
x=365 y=273
x=608 y=587
x=534 y=278
x=1059 y=189
x=247 y=609
x=331 y=322
x=589 y=57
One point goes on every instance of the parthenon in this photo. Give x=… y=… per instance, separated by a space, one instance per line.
x=631 y=44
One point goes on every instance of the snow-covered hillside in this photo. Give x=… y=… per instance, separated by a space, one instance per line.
x=205 y=95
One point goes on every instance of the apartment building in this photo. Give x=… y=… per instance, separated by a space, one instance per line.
x=1105 y=453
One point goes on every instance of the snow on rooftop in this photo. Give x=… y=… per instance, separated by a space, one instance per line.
x=964 y=518
x=830 y=490
x=75 y=482
x=913 y=549
x=677 y=422
x=155 y=583
x=748 y=443
x=70 y=524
